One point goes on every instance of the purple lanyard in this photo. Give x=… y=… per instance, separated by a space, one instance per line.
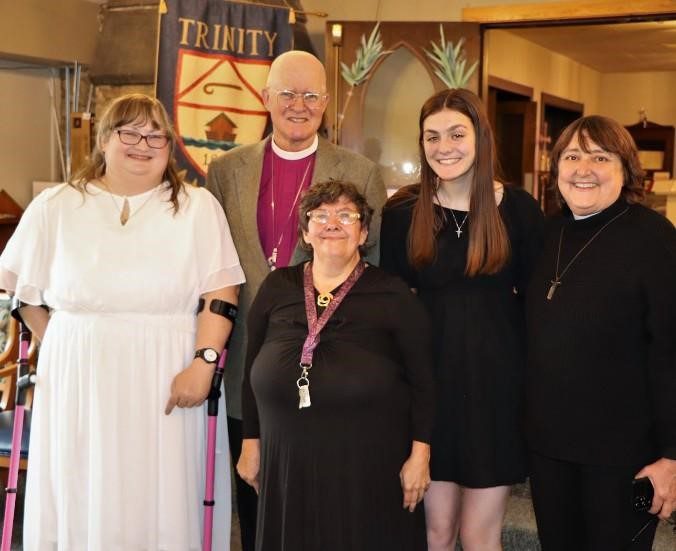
x=316 y=325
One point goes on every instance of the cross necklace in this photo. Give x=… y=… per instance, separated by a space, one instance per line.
x=458 y=227
x=554 y=283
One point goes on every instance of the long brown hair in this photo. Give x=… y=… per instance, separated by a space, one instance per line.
x=488 y=249
x=128 y=109
x=610 y=136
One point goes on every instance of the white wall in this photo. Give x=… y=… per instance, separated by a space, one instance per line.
x=622 y=95
x=27 y=137
x=513 y=58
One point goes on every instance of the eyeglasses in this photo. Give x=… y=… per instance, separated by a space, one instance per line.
x=312 y=100
x=345 y=217
x=130 y=137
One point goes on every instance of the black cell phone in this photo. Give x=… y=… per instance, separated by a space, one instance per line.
x=642 y=494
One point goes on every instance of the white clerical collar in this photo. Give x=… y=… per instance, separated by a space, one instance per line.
x=583 y=216
x=295 y=155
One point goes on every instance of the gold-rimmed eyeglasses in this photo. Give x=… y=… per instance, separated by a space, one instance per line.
x=131 y=137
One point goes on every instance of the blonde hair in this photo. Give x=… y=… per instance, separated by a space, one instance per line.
x=128 y=109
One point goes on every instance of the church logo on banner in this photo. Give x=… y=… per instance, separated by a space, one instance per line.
x=213 y=61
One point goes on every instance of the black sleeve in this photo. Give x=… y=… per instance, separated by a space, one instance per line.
x=660 y=298
x=257 y=326
x=413 y=336
x=531 y=234
x=393 y=245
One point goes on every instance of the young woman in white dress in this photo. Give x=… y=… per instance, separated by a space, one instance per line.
x=121 y=257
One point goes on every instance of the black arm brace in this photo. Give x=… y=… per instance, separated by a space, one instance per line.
x=17 y=305
x=220 y=308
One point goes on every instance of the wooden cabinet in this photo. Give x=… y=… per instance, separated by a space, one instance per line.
x=655 y=144
x=10 y=214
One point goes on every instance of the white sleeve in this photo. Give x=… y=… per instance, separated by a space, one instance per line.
x=25 y=262
x=218 y=261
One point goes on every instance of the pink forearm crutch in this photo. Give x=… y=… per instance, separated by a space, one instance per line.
x=212 y=417
x=24 y=381
x=228 y=311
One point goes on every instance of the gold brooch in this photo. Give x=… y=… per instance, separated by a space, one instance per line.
x=323 y=299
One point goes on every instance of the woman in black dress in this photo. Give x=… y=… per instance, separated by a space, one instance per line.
x=466 y=243
x=601 y=378
x=339 y=451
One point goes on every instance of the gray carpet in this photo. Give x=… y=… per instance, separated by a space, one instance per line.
x=519 y=533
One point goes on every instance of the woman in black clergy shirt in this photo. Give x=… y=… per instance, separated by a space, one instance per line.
x=343 y=446
x=601 y=385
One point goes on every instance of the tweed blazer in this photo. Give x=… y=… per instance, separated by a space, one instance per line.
x=234 y=179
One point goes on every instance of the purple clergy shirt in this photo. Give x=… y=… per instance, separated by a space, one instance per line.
x=280 y=229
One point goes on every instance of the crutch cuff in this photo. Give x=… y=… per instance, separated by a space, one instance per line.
x=17 y=305
x=223 y=308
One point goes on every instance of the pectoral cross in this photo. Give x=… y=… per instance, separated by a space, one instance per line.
x=552 y=288
x=272 y=260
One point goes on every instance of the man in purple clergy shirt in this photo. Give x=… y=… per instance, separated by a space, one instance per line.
x=259 y=187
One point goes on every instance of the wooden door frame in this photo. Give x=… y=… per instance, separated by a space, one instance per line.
x=505 y=86
x=520 y=16
x=550 y=100
x=570 y=13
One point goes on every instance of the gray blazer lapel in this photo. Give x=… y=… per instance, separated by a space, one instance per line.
x=248 y=178
x=327 y=163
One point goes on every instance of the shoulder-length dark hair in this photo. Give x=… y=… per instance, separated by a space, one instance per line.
x=489 y=247
x=610 y=136
x=128 y=109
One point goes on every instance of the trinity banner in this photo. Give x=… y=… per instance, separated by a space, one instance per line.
x=214 y=58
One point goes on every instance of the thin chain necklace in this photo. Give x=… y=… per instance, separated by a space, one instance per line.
x=557 y=276
x=458 y=227
x=125 y=211
x=272 y=259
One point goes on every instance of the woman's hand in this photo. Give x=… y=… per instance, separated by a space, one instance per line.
x=191 y=386
x=662 y=474
x=250 y=461
x=415 y=475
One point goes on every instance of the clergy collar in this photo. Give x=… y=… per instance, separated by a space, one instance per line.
x=583 y=216
x=598 y=219
x=294 y=155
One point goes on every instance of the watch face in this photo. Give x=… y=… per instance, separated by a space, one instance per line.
x=210 y=355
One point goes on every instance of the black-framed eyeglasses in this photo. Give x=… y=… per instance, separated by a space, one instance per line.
x=312 y=100
x=131 y=137
x=345 y=217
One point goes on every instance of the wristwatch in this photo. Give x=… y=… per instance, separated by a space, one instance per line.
x=209 y=355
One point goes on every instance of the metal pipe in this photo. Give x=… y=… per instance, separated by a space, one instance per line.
x=67 y=122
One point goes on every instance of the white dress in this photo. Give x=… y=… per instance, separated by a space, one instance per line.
x=107 y=469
